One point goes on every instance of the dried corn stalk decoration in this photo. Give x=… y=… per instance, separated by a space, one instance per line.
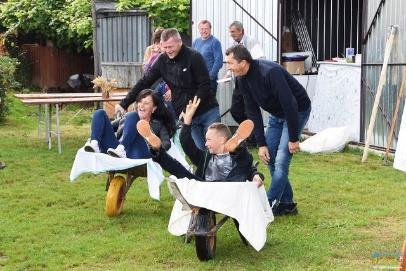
x=105 y=85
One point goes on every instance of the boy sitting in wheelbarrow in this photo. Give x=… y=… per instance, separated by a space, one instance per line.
x=225 y=158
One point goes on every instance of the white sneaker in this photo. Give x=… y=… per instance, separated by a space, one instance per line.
x=92 y=146
x=118 y=152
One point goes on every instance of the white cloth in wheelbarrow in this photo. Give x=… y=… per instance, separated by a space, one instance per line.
x=90 y=162
x=243 y=201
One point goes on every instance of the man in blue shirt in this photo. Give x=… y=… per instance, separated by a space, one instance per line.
x=265 y=84
x=210 y=48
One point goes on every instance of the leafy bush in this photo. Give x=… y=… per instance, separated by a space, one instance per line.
x=8 y=66
x=23 y=71
x=68 y=23
x=165 y=13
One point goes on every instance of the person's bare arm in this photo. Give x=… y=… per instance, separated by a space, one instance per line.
x=190 y=110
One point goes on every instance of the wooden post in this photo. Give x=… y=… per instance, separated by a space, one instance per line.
x=95 y=49
x=96 y=58
x=381 y=84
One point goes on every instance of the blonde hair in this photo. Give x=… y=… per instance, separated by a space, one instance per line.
x=222 y=129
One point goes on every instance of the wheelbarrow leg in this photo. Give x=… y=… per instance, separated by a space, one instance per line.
x=237 y=225
x=192 y=226
x=110 y=177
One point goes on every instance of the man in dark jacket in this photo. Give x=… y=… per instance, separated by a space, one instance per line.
x=265 y=84
x=186 y=74
x=224 y=159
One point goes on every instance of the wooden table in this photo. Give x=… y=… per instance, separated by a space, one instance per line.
x=57 y=99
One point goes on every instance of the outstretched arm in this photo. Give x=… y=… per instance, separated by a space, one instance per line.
x=188 y=144
x=190 y=110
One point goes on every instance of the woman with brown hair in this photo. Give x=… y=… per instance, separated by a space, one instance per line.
x=122 y=139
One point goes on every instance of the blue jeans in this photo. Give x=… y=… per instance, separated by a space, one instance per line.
x=277 y=139
x=201 y=123
x=133 y=142
x=213 y=86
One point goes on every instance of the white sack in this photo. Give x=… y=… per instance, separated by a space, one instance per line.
x=329 y=140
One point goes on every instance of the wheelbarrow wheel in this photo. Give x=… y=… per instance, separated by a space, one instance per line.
x=205 y=244
x=115 y=196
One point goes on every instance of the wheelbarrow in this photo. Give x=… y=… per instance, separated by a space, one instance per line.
x=121 y=173
x=202 y=226
x=117 y=187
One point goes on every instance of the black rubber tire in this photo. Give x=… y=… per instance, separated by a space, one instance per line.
x=205 y=245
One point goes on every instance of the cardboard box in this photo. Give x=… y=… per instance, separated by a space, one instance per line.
x=307 y=62
x=294 y=67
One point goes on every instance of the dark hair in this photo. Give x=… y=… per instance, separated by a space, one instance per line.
x=161 y=113
x=156 y=37
x=170 y=33
x=240 y=53
x=221 y=128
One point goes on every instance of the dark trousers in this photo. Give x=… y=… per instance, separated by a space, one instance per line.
x=103 y=132
x=237 y=108
x=237 y=111
x=172 y=165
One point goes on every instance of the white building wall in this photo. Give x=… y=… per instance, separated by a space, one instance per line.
x=221 y=13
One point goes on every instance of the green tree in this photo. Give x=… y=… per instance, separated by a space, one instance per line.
x=8 y=66
x=68 y=23
x=165 y=13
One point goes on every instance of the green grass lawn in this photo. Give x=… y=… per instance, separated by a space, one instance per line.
x=351 y=215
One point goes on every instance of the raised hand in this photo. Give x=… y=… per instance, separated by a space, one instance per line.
x=191 y=110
